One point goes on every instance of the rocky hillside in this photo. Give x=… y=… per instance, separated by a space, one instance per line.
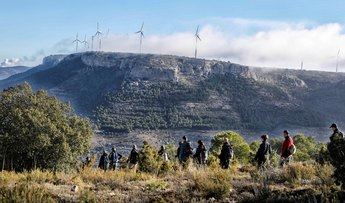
x=123 y=92
x=6 y=72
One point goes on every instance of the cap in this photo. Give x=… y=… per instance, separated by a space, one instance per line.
x=333 y=125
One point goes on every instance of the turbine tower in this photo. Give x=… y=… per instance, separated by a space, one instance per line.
x=197 y=38
x=76 y=41
x=302 y=65
x=85 y=43
x=141 y=32
x=337 y=64
x=92 y=38
x=98 y=34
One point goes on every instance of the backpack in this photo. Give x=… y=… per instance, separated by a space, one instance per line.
x=292 y=149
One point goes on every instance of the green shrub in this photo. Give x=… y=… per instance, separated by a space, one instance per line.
x=240 y=146
x=307 y=148
x=213 y=184
x=296 y=172
x=25 y=193
x=149 y=160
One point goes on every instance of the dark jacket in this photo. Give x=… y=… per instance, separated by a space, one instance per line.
x=200 y=154
x=226 y=152
x=134 y=157
x=184 y=151
x=104 y=161
x=114 y=157
x=336 y=134
x=264 y=151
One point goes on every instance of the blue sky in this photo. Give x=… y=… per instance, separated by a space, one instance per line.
x=30 y=28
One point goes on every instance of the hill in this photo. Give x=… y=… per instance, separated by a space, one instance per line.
x=6 y=72
x=122 y=92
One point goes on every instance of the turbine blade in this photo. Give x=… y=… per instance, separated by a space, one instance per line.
x=142 y=26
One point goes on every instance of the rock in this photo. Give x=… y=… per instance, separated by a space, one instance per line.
x=75 y=188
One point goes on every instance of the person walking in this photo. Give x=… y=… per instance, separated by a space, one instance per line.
x=133 y=158
x=288 y=149
x=264 y=151
x=104 y=161
x=226 y=154
x=163 y=154
x=114 y=158
x=200 y=154
x=336 y=133
x=184 y=151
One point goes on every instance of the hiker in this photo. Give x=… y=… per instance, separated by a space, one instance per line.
x=287 y=150
x=114 y=158
x=264 y=151
x=133 y=158
x=184 y=150
x=162 y=153
x=336 y=133
x=87 y=162
x=200 y=154
x=226 y=154
x=336 y=150
x=104 y=161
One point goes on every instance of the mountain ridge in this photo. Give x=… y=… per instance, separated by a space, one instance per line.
x=6 y=72
x=122 y=92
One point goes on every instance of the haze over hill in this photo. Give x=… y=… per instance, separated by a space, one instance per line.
x=122 y=92
x=6 y=72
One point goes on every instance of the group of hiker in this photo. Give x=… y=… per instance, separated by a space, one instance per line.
x=288 y=148
x=185 y=152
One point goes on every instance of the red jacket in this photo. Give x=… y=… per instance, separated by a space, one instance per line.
x=286 y=144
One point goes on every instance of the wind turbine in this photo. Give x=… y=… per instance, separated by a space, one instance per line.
x=98 y=34
x=197 y=38
x=92 y=38
x=337 y=64
x=76 y=41
x=141 y=32
x=85 y=42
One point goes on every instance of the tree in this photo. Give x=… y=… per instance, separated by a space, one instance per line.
x=148 y=159
x=240 y=146
x=307 y=148
x=37 y=130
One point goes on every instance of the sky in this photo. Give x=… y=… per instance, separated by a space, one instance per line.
x=266 y=33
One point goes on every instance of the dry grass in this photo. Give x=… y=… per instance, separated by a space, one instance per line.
x=192 y=184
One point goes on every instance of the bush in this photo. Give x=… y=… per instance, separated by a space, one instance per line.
x=25 y=193
x=213 y=184
x=39 y=131
x=240 y=146
x=307 y=148
x=149 y=159
x=296 y=172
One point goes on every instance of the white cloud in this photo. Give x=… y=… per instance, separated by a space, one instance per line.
x=246 y=41
x=277 y=45
x=10 y=62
